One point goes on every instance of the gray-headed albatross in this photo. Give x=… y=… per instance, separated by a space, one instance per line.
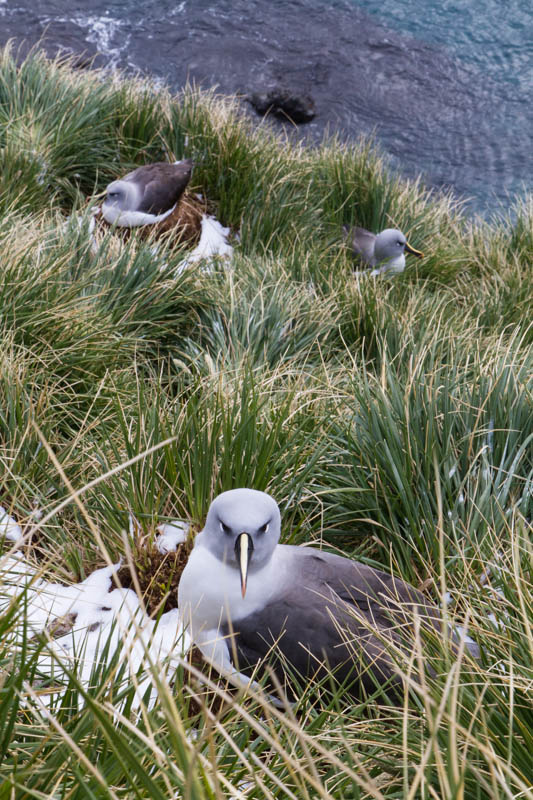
x=245 y=598
x=147 y=195
x=385 y=251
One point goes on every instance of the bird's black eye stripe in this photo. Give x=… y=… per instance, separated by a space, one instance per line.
x=225 y=528
x=263 y=528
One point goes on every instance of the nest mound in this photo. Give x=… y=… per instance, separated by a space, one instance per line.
x=182 y=226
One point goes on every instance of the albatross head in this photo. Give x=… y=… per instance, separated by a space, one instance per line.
x=122 y=196
x=391 y=244
x=242 y=529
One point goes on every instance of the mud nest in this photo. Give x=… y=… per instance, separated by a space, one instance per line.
x=183 y=226
x=156 y=574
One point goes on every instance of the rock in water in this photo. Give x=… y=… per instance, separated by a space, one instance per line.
x=285 y=104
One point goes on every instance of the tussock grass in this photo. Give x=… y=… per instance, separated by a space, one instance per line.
x=391 y=419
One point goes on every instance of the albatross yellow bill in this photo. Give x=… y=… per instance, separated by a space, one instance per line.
x=409 y=249
x=243 y=550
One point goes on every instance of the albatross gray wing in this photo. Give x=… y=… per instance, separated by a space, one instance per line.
x=363 y=245
x=336 y=616
x=161 y=185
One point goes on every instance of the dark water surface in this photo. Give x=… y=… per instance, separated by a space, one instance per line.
x=447 y=87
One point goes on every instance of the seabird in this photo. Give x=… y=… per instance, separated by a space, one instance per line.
x=246 y=598
x=384 y=251
x=147 y=195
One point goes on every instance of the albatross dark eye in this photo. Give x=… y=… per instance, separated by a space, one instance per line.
x=263 y=528
x=225 y=528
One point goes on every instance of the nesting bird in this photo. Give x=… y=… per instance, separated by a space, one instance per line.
x=385 y=252
x=246 y=598
x=147 y=195
x=152 y=196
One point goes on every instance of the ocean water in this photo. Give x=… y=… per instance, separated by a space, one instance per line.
x=445 y=88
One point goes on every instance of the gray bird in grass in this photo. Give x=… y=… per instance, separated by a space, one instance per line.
x=246 y=598
x=147 y=195
x=385 y=252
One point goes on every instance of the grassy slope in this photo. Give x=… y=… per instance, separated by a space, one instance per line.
x=392 y=419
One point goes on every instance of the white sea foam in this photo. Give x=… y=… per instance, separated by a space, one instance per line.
x=179 y=8
x=104 y=31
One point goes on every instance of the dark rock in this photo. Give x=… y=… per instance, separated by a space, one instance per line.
x=284 y=103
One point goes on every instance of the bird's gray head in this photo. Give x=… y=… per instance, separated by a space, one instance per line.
x=390 y=244
x=242 y=529
x=121 y=195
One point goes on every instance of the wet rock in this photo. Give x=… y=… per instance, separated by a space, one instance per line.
x=285 y=104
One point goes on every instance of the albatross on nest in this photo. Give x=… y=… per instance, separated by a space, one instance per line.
x=245 y=597
x=147 y=195
x=152 y=199
x=384 y=251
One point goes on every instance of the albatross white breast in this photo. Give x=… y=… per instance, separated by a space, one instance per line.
x=244 y=598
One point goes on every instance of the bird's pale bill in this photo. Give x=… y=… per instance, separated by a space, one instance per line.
x=409 y=249
x=243 y=551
